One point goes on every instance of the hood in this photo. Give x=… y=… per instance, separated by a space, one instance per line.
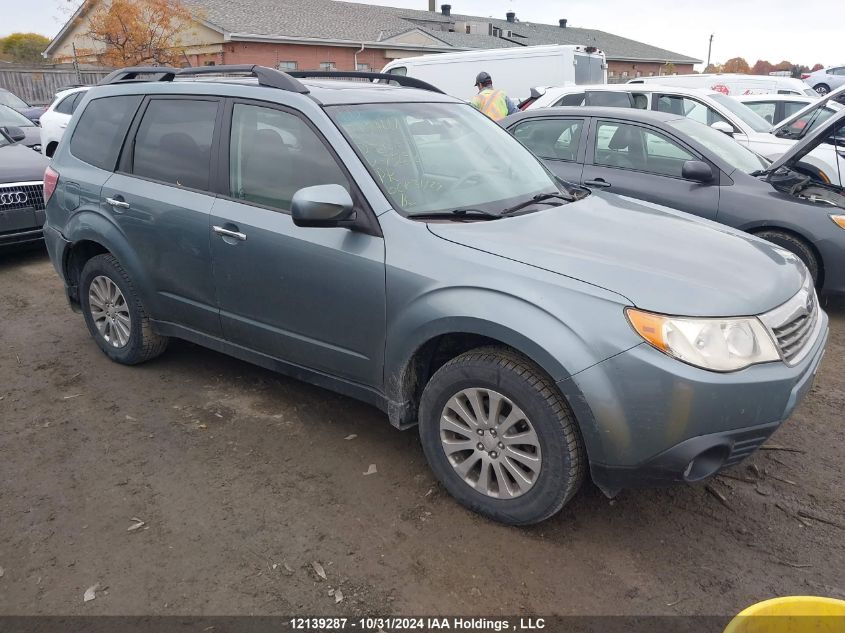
x=816 y=137
x=18 y=163
x=33 y=113
x=659 y=259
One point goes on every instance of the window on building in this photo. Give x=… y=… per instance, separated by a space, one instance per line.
x=328 y=66
x=639 y=74
x=209 y=63
x=365 y=68
x=624 y=73
x=173 y=143
x=611 y=73
x=287 y=66
x=274 y=154
x=99 y=134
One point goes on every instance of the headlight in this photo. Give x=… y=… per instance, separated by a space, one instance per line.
x=714 y=344
x=839 y=219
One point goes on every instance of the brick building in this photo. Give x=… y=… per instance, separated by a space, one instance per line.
x=329 y=34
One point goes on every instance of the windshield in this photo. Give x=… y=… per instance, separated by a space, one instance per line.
x=748 y=116
x=439 y=157
x=12 y=117
x=736 y=155
x=8 y=99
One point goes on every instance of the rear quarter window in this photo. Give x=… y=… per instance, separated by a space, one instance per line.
x=99 y=134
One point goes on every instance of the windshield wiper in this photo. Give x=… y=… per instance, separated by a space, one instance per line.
x=540 y=198
x=457 y=214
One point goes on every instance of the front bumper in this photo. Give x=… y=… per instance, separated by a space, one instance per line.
x=21 y=226
x=649 y=419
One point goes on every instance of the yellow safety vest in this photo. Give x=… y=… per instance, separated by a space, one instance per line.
x=491 y=102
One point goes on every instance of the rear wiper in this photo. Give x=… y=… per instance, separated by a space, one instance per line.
x=457 y=214
x=538 y=199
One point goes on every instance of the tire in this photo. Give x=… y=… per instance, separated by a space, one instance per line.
x=796 y=246
x=822 y=89
x=525 y=388
x=128 y=339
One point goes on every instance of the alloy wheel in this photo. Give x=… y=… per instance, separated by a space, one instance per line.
x=491 y=443
x=109 y=311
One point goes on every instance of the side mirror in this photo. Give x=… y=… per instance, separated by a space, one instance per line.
x=14 y=133
x=723 y=127
x=323 y=205
x=697 y=171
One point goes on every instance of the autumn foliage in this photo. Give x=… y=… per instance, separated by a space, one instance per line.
x=760 y=67
x=138 y=32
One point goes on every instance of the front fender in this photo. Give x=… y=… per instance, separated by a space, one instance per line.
x=584 y=330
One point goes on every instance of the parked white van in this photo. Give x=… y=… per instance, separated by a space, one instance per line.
x=733 y=84
x=515 y=70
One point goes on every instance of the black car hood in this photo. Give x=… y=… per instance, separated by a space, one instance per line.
x=18 y=163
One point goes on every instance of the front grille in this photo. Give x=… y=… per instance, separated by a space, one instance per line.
x=28 y=195
x=794 y=324
x=795 y=334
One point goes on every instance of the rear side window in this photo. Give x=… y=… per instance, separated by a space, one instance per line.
x=65 y=106
x=765 y=109
x=555 y=139
x=173 y=142
x=101 y=129
x=574 y=99
x=609 y=99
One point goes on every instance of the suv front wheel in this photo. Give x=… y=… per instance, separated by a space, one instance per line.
x=499 y=436
x=115 y=315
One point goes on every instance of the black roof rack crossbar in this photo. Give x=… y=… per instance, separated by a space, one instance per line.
x=266 y=76
x=132 y=74
x=408 y=82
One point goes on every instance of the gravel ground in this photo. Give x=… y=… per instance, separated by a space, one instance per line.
x=244 y=478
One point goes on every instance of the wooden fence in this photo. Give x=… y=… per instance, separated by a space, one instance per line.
x=38 y=86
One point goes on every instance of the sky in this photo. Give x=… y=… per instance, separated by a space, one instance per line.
x=740 y=28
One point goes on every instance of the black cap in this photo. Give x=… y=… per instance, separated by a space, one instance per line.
x=483 y=78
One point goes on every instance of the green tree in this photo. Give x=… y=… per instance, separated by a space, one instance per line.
x=25 y=48
x=668 y=69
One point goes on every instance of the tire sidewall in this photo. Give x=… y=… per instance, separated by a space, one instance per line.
x=797 y=248
x=554 y=479
x=103 y=265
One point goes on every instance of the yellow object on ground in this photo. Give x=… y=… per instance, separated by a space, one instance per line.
x=792 y=614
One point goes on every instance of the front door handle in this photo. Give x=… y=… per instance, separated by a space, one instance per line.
x=235 y=235
x=601 y=183
x=117 y=203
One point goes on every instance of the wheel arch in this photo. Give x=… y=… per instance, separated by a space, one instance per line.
x=756 y=229
x=90 y=235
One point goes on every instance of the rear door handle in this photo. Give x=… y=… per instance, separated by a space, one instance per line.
x=235 y=235
x=601 y=183
x=117 y=203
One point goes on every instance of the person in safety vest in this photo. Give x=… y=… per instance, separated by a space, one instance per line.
x=494 y=103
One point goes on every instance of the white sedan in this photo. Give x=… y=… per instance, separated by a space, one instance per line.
x=55 y=119
x=776 y=108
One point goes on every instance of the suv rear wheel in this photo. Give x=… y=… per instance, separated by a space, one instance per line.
x=114 y=314
x=499 y=436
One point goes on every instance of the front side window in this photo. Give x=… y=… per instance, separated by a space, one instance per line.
x=273 y=154
x=765 y=109
x=438 y=157
x=554 y=139
x=173 y=142
x=99 y=134
x=791 y=107
x=733 y=153
x=634 y=147
x=837 y=71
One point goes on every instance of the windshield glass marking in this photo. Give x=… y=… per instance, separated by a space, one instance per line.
x=438 y=157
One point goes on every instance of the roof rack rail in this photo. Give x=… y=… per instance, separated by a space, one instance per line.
x=266 y=76
x=132 y=74
x=402 y=80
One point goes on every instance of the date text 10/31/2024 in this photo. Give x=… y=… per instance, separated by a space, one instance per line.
x=390 y=624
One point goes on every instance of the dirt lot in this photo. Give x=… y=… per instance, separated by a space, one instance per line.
x=243 y=478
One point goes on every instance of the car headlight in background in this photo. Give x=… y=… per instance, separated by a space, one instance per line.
x=715 y=344
x=839 y=219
